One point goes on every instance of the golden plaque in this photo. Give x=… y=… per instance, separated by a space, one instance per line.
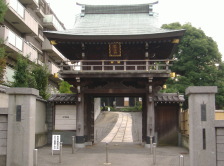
x=115 y=49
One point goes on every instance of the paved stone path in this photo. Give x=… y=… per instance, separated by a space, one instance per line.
x=122 y=131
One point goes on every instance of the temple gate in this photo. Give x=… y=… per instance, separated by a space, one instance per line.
x=115 y=51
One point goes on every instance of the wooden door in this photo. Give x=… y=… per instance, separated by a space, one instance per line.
x=167 y=124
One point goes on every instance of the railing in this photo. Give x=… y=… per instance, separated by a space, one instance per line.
x=15 y=40
x=24 y=14
x=18 y=44
x=18 y=7
x=30 y=52
x=52 y=19
x=117 y=65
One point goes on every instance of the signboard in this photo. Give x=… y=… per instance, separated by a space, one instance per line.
x=56 y=139
x=65 y=117
x=115 y=49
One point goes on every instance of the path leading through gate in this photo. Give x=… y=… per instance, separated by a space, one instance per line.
x=119 y=129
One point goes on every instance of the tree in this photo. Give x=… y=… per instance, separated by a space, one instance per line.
x=64 y=87
x=28 y=74
x=41 y=75
x=195 y=62
x=22 y=74
x=3 y=9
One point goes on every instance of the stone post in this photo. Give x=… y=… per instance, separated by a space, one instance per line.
x=202 y=144
x=21 y=126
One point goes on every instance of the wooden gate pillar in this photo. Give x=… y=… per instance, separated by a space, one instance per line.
x=150 y=132
x=80 y=138
x=150 y=119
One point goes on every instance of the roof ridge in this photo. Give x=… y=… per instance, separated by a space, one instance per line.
x=115 y=3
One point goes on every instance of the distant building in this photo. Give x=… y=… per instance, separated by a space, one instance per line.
x=22 y=32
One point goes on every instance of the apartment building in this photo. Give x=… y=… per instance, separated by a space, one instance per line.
x=22 y=32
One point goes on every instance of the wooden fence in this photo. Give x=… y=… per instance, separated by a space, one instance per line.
x=184 y=120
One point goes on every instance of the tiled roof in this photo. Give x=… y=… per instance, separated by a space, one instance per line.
x=169 y=98
x=110 y=20
x=115 y=24
x=163 y=97
x=63 y=98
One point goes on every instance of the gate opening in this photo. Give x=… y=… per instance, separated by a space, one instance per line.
x=116 y=119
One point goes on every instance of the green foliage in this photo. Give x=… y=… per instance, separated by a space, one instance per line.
x=138 y=106
x=22 y=74
x=64 y=87
x=31 y=75
x=41 y=75
x=195 y=62
x=3 y=9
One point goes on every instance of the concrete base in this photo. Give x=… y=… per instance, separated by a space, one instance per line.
x=80 y=145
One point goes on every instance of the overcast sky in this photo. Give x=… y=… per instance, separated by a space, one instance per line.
x=205 y=14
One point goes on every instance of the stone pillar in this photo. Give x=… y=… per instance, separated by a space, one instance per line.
x=202 y=144
x=150 y=120
x=21 y=126
x=80 y=138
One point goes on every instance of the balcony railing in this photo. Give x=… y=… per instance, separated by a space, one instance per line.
x=50 y=22
x=30 y=52
x=18 y=7
x=32 y=3
x=21 y=18
x=117 y=66
x=17 y=44
x=15 y=40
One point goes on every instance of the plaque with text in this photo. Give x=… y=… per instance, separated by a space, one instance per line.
x=115 y=49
